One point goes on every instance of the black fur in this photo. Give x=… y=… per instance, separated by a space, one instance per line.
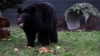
x=39 y=18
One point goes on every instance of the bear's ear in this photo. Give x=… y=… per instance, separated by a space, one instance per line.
x=19 y=10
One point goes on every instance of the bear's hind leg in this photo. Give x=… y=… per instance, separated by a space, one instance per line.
x=43 y=38
x=53 y=37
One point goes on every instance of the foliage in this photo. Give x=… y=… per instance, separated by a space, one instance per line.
x=5 y=4
x=70 y=44
x=86 y=8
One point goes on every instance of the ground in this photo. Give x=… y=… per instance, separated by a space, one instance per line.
x=70 y=43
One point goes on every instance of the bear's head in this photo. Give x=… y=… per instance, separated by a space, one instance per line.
x=25 y=15
x=30 y=17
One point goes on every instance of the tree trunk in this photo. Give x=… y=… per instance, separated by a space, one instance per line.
x=0 y=13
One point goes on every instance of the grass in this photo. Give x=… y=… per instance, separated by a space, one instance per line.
x=70 y=43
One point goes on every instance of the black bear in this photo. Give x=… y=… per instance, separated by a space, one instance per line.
x=39 y=18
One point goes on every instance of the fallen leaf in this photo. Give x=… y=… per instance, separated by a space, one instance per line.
x=43 y=50
x=16 y=49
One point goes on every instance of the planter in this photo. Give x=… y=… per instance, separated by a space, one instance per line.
x=4 y=28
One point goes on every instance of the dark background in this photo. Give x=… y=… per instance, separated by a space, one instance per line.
x=61 y=7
